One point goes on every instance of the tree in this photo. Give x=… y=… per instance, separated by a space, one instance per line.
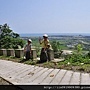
x=55 y=46
x=9 y=39
x=79 y=48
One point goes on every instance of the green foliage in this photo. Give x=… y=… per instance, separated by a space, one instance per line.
x=55 y=45
x=36 y=44
x=17 y=43
x=9 y=39
x=79 y=48
x=77 y=58
x=88 y=54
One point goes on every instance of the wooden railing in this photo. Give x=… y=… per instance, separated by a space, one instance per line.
x=19 y=53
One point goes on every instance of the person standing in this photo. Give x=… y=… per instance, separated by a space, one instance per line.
x=27 y=49
x=45 y=46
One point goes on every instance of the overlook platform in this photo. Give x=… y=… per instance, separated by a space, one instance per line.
x=23 y=74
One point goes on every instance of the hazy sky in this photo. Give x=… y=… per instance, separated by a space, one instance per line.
x=46 y=16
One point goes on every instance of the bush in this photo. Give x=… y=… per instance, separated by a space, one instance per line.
x=55 y=45
x=77 y=58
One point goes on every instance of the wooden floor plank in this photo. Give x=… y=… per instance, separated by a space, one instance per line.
x=7 y=68
x=41 y=77
x=26 y=72
x=66 y=79
x=19 y=73
x=58 y=77
x=4 y=64
x=50 y=77
x=85 y=79
x=15 y=71
x=19 y=78
x=21 y=70
x=35 y=76
x=75 y=79
x=29 y=76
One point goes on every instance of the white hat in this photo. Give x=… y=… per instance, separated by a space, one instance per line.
x=45 y=35
x=29 y=40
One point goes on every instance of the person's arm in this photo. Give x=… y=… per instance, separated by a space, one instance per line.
x=25 y=48
x=40 y=40
x=30 y=48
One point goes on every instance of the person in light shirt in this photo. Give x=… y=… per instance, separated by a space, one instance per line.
x=45 y=46
x=27 y=49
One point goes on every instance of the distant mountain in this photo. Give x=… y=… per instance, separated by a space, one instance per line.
x=54 y=34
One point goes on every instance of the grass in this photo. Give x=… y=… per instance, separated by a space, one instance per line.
x=81 y=67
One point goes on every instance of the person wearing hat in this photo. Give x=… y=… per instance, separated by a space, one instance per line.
x=27 y=49
x=45 y=45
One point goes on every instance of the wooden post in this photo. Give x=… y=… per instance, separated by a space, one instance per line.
x=19 y=53
x=10 y=52
x=51 y=54
x=34 y=54
x=3 y=52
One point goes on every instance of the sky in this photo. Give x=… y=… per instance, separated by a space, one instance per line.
x=46 y=16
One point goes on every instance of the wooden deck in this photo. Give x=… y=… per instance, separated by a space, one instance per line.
x=22 y=74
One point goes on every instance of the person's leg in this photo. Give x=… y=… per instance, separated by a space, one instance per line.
x=24 y=57
x=48 y=54
x=43 y=56
x=31 y=55
x=27 y=55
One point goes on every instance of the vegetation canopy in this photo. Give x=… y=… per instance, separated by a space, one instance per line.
x=9 y=39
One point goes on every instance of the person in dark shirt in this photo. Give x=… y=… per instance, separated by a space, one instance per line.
x=27 y=49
